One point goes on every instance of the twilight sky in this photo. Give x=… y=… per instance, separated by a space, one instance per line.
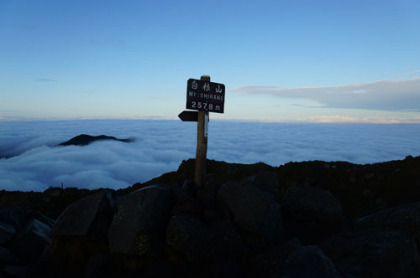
x=285 y=61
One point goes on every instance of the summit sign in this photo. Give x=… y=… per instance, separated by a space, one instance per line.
x=205 y=96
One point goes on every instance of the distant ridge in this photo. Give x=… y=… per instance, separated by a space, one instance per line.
x=84 y=139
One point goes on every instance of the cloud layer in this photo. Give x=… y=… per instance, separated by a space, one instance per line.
x=161 y=146
x=387 y=95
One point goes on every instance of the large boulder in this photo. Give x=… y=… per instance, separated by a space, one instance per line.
x=87 y=217
x=12 y=216
x=7 y=232
x=80 y=231
x=139 y=225
x=23 y=234
x=404 y=217
x=32 y=240
x=190 y=237
x=199 y=242
x=8 y=257
x=254 y=212
x=308 y=261
x=304 y=202
x=186 y=203
x=311 y=213
x=267 y=181
x=269 y=261
x=374 y=252
x=228 y=244
x=15 y=271
x=23 y=237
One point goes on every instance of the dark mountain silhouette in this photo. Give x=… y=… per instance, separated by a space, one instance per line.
x=84 y=139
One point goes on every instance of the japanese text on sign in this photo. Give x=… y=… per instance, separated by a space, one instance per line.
x=205 y=95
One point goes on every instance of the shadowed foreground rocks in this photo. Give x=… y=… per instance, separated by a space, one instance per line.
x=23 y=237
x=309 y=219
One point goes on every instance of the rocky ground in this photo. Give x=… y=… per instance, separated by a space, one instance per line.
x=308 y=219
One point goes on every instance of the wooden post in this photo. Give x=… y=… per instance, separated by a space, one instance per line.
x=201 y=154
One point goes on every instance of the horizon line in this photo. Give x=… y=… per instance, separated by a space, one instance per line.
x=321 y=120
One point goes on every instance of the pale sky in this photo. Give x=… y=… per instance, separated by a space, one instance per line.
x=281 y=61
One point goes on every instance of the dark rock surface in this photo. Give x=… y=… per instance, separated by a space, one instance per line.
x=31 y=240
x=255 y=213
x=6 y=232
x=84 y=139
x=80 y=231
x=374 y=252
x=200 y=242
x=308 y=203
x=308 y=219
x=405 y=217
x=267 y=181
x=270 y=261
x=139 y=225
x=192 y=238
x=311 y=208
x=308 y=261
x=24 y=235
x=87 y=217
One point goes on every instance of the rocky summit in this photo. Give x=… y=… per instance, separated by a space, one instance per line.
x=307 y=219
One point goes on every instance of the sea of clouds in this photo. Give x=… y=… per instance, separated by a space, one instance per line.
x=32 y=161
